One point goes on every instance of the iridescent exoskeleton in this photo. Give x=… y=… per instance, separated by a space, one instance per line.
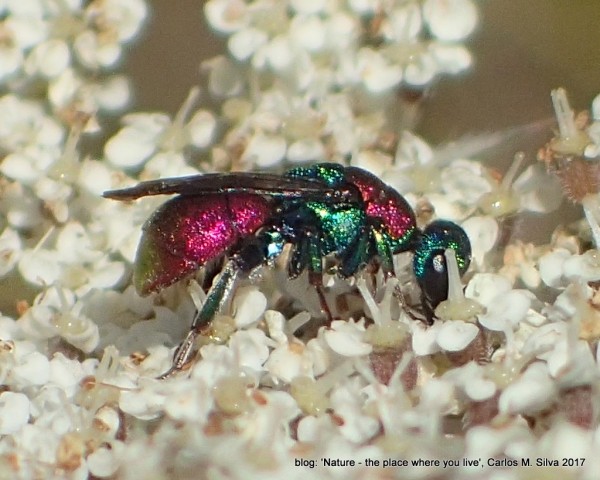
x=319 y=210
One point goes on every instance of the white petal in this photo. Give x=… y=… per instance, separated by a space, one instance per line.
x=95 y=177
x=106 y=275
x=585 y=267
x=94 y=52
x=306 y=150
x=142 y=403
x=342 y=30
x=421 y=70
x=278 y=53
x=14 y=412
x=191 y=403
x=424 y=339
x=450 y=19
x=484 y=287
x=11 y=59
x=551 y=267
x=364 y=6
x=202 y=128
x=104 y=461
x=248 y=306
x=127 y=151
x=285 y=363
x=80 y=331
x=377 y=73
x=437 y=394
x=532 y=392
x=451 y=58
x=113 y=93
x=265 y=150
x=226 y=16
x=64 y=88
x=308 y=32
x=245 y=42
x=33 y=369
x=40 y=267
x=596 y=107
x=479 y=389
x=126 y=17
x=508 y=309
x=347 y=339
x=49 y=59
x=10 y=250
x=19 y=166
x=402 y=24
x=483 y=234
x=456 y=335
x=250 y=347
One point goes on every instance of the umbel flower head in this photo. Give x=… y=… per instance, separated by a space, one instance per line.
x=507 y=370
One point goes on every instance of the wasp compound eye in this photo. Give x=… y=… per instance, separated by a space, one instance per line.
x=429 y=262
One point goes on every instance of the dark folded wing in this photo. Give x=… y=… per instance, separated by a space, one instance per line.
x=235 y=182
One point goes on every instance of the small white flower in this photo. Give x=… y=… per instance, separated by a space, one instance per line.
x=307 y=150
x=437 y=395
x=48 y=59
x=146 y=134
x=456 y=335
x=31 y=369
x=104 y=461
x=11 y=60
x=551 y=267
x=189 y=401
x=14 y=412
x=450 y=20
x=347 y=339
x=146 y=402
x=248 y=306
x=531 y=393
x=424 y=338
x=134 y=143
x=483 y=287
x=251 y=348
x=264 y=150
x=376 y=72
x=56 y=313
x=584 y=267
x=483 y=234
x=506 y=310
x=347 y=403
x=226 y=15
x=472 y=380
x=10 y=250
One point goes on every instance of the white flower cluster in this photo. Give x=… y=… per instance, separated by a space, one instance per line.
x=307 y=81
x=508 y=370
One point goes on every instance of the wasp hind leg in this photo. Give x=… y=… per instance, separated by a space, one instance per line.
x=216 y=297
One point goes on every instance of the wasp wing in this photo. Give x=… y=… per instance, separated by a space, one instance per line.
x=235 y=182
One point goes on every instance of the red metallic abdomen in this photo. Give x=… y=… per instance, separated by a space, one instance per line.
x=187 y=231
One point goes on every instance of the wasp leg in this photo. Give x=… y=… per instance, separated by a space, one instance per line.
x=315 y=275
x=307 y=255
x=215 y=299
x=357 y=255
x=384 y=252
